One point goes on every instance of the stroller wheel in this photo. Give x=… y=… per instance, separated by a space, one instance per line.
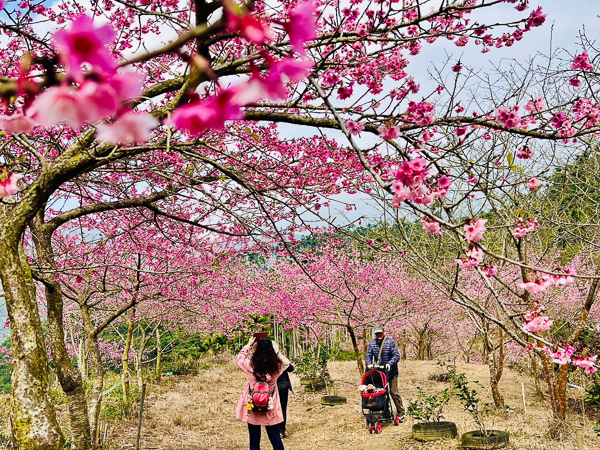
x=397 y=420
x=371 y=428
x=378 y=428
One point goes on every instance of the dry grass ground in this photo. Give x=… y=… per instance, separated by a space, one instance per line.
x=199 y=413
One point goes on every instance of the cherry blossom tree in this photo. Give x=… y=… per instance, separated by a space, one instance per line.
x=89 y=98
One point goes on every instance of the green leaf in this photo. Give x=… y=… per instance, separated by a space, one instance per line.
x=510 y=158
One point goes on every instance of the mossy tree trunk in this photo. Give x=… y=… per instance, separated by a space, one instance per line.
x=34 y=419
x=68 y=376
x=97 y=372
x=125 y=360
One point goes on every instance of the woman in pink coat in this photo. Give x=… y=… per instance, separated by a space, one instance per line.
x=267 y=366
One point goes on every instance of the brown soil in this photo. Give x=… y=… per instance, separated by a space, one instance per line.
x=199 y=413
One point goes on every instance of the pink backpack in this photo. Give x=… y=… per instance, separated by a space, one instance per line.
x=260 y=397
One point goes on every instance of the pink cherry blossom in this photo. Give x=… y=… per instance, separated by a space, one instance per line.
x=560 y=357
x=16 y=123
x=127 y=85
x=302 y=27
x=8 y=183
x=575 y=82
x=284 y=71
x=85 y=44
x=444 y=182
x=248 y=25
x=99 y=100
x=489 y=271
x=582 y=62
x=354 y=127
x=508 y=116
x=431 y=226
x=538 y=324
x=388 y=133
x=588 y=364
x=474 y=257
x=533 y=184
x=59 y=104
x=524 y=153
x=210 y=113
x=130 y=127
x=524 y=227
x=474 y=230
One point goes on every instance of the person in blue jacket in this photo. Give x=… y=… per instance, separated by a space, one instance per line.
x=390 y=356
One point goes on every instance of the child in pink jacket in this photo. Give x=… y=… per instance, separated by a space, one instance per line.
x=266 y=365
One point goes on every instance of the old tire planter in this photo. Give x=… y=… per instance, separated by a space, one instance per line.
x=307 y=381
x=314 y=387
x=434 y=431
x=333 y=400
x=477 y=440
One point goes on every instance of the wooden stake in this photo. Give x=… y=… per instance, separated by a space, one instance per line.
x=579 y=435
x=523 y=390
x=105 y=431
x=139 y=430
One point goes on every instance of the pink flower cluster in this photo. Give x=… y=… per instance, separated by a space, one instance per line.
x=8 y=183
x=587 y=364
x=430 y=225
x=489 y=271
x=582 y=62
x=474 y=257
x=422 y=113
x=411 y=184
x=542 y=281
x=536 y=19
x=524 y=227
x=560 y=356
x=102 y=92
x=524 y=153
x=474 y=229
x=534 y=106
x=509 y=117
x=388 y=132
x=533 y=184
x=354 y=127
x=535 y=322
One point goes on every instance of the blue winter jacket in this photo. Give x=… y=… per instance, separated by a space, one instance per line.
x=389 y=355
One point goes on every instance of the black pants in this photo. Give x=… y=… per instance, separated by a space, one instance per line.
x=272 y=432
x=283 y=399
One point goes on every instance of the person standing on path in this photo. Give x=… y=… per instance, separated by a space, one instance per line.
x=284 y=386
x=383 y=351
x=267 y=367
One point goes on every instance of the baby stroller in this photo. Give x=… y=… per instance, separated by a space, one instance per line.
x=377 y=406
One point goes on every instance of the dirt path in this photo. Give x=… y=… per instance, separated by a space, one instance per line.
x=199 y=413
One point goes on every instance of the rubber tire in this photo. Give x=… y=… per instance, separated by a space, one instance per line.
x=473 y=439
x=397 y=420
x=434 y=431
x=371 y=428
x=314 y=387
x=333 y=400
x=305 y=381
x=378 y=428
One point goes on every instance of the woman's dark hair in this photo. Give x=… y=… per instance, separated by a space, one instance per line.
x=264 y=360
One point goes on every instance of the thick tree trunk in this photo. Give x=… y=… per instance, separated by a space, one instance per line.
x=359 y=361
x=97 y=373
x=34 y=420
x=68 y=376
